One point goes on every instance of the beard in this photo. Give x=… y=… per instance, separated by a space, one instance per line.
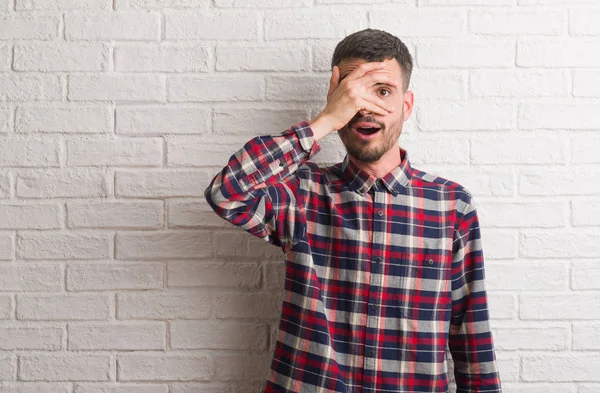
x=370 y=150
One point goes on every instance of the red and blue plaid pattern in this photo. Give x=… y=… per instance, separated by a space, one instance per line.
x=383 y=277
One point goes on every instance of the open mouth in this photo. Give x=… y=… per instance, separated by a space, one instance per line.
x=367 y=130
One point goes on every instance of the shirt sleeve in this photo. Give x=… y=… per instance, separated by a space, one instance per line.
x=258 y=188
x=471 y=342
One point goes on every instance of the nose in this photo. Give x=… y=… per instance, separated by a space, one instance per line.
x=364 y=112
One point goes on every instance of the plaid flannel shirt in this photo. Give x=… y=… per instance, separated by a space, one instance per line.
x=383 y=277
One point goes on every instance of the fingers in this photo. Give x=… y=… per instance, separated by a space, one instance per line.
x=334 y=81
x=362 y=69
x=373 y=107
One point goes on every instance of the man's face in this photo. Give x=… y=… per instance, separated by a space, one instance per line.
x=372 y=149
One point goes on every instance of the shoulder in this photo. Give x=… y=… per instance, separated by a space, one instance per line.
x=439 y=187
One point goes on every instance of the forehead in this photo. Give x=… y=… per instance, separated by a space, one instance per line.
x=391 y=67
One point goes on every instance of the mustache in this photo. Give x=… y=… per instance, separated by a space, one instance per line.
x=366 y=119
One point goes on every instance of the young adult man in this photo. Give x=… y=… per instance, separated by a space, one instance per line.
x=384 y=267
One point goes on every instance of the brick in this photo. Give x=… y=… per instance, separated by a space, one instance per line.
x=470 y=53
x=585 y=213
x=116 y=87
x=115 y=152
x=275 y=275
x=7 y=249
x=67 y=183
x=500 y=244
x=434 y=84
x=120 y=388
x=190 y=151
x=522 y=214
x=502 y=306
x=63 y=245
x=153 y=120
x=6 y=308
x=17 y=87
x=500 y=83
x=29 y=277
x=160 y=245
x=253 y=58
x=61 y=57
x=216 y=25
x=262 y=3
x=556 y=2
x=466 y=2
x=421 y=22
x=297 y=88
x=584 y=21
x=217 y=335
x=35 y=387
x=247 y=305
x=306 y=24
x=585 y=275
x=563 y=306
x=39 y=216
x=114 y=276
x=64 y=367
x=558 y=116
x=520 y=22
x=214 y=88
x=61 y=4
x=229 y=121
x=63 y=307
x=122 y=215
x=185 y=213
x=588 y=388
x=242 y=368
x=121 y=337
x=558 y=52
x=480 y=180
x=438 y=149
x=122 y=25
x=564 y=367
x=203 y=274
x=8 y=367
x=64 y=120
x=5 y=184
x=164 y=367
x=162 y=58
x=322 y=54
x=586 y=83
x=31 y=338
x=6 y=60
x=28 y=27
x=530 y=276
x=122 y=4
x=163 y=305
x=526 y=336
x=586 y=336
x=574 y=181
x=573 y=244
x=20 y=152
x=152 y=184
x=508 y=366
x=465 y=115
x=504 y=149
x=223 y=241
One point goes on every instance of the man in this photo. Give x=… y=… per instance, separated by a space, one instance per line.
x=384 y=265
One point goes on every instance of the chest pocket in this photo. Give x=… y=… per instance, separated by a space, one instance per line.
x=426 y=280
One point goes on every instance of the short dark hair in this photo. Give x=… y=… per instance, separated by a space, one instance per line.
x=375 y=45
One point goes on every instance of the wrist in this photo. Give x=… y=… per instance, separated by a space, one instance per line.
x=321 y=126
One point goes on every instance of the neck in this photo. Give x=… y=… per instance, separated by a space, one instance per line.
x=388 y=161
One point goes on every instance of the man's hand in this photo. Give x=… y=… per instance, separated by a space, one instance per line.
x=345 y=98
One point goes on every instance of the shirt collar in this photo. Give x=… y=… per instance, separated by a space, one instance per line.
x=361 y=182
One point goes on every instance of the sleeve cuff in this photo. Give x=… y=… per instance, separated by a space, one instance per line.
x=306 y=137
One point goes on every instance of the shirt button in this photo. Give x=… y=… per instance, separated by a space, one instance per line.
x=371 y=353
x=380 y=213
x=373 y=307
x=281 y=163
x=430 y=261
x=378 y=259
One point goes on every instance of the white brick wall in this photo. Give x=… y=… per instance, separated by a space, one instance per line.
x=115 y=275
